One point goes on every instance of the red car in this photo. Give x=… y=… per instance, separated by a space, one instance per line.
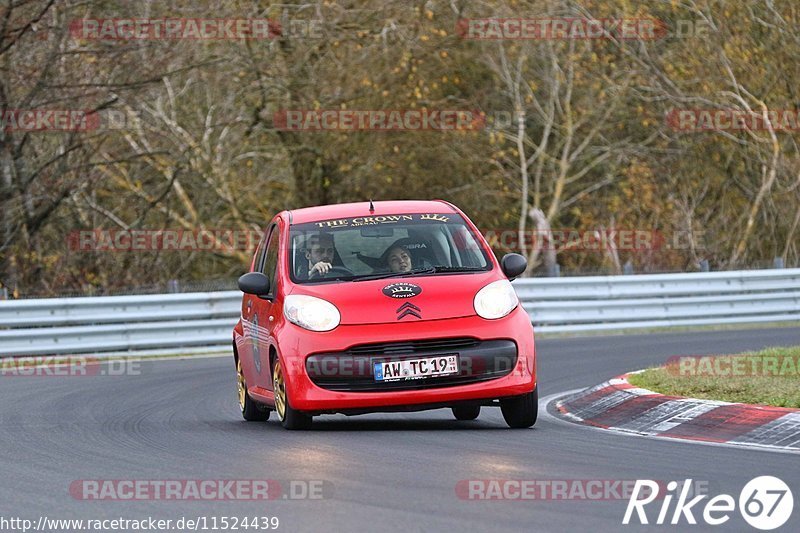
x=391 y=306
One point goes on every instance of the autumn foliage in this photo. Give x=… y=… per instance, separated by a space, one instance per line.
x=568 y=130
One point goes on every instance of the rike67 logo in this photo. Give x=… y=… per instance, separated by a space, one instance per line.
x=765 y=503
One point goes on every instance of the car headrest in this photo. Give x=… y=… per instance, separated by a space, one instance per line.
x=418 y=248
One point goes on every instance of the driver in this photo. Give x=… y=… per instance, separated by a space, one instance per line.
x=319 y=253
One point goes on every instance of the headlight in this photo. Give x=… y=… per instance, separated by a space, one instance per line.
x=496 y=300
x=311 y=313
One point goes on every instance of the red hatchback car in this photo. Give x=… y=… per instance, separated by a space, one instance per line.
x=391 y=306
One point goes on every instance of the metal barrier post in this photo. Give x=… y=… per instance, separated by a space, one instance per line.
x=627 y=269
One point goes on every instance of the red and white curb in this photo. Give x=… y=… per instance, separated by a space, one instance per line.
x=620 y=406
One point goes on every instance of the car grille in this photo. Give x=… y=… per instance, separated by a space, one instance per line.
x=414 y=347
x=352 y=370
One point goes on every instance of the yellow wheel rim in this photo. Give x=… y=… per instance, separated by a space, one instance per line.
x=279 y=388
x=241 y=386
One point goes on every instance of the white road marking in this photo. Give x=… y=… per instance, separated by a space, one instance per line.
x=552 y=398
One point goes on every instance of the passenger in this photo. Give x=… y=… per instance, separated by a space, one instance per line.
x=398 y=259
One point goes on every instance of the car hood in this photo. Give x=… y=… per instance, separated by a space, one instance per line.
x=411 y=299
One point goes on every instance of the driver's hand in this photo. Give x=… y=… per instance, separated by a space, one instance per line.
x=320 y=268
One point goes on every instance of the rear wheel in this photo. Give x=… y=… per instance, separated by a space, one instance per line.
x=466 y=412
x=290 y=418
x=251 y=411
x=521 y=411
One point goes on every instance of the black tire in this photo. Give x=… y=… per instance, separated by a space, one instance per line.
x=521 y=411
x=466 y=412
x=251 y=410
x=254 y=412
x=290 y=418
x=296 y=420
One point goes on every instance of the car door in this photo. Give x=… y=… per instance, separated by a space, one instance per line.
x=248 y=347
x=264 y=312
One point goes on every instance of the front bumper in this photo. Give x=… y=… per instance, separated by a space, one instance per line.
x=353 y=370
x=501 y=362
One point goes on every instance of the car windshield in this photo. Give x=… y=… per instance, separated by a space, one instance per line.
x=384 y=246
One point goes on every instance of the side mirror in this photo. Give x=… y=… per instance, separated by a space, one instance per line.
x=254 y=283
x=513 y=265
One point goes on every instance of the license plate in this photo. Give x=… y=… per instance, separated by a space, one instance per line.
x=440 y=365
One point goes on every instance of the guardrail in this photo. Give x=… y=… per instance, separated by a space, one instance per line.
x=185 y=322
x=661 y=300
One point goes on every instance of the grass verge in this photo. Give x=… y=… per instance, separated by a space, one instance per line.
x=665 y=329
x=768 y=377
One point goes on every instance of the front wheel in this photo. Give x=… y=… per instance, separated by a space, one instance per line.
x=521 y=411
x=290 y=418
x=251 y=411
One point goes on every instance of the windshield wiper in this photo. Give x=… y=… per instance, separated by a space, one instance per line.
x=385 y=275
x=323 y=279
x=458 y=269
x=420 y=271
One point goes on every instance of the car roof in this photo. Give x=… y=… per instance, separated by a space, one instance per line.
x=358 y=209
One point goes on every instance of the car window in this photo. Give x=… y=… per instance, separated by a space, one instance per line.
x=270 y=266
x=258 y=265
x=366 y=246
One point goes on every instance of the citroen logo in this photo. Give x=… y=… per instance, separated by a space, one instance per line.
x=408 y=309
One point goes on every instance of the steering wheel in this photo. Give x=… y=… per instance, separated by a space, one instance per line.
x=340 y=270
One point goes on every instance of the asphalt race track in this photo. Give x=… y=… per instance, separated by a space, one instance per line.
x=179 y=419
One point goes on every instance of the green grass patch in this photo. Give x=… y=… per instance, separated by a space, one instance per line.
x=665 y=329
x=768 y=377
